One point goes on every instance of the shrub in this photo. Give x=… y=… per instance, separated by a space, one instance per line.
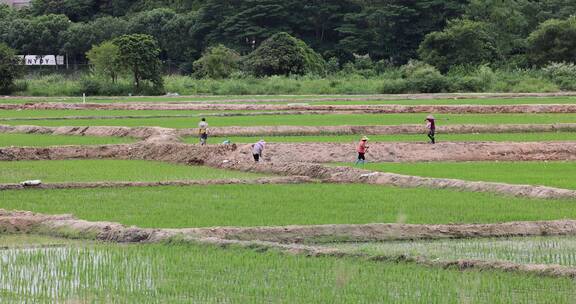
x=90 y=86
x=466 y=84
x=217 y=63
x=394 y=86
x=424 y=78
x=562 y=74
x=332 y=66
x=283 y=54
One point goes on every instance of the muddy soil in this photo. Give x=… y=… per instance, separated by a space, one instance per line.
x=462 y=109
x=230 y=181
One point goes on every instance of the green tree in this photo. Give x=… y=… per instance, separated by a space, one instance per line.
x=105 y=60
x=462 y=42
x=9 y=68
x=553 y=41
x=283 y=54
x=139 y=54
x=217 y=62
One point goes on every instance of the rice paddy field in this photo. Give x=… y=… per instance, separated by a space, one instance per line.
x=524 y=250
x=279 y=205
x=74 y=264
x=41 y=140
x=308 y=120
x=553 y=174
x=58 y=171
x=191 y=273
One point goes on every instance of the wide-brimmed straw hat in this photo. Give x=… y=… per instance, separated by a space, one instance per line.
x=429 y=117
x=364 y=138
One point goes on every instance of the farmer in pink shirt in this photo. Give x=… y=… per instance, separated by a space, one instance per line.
x=362 y=149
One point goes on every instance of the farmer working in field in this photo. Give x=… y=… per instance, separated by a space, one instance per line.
x=362 y=149
x=203 y=131
x=257 y=150
x=431 y=126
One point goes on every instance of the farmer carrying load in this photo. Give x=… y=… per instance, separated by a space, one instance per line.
x=203 y=131
x=431 y=126
x=257 y=150
x=362 y=149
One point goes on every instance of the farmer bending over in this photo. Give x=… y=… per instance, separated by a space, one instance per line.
x=257 y=150
x=431 y=126
x=203 y=131
x=362 y=149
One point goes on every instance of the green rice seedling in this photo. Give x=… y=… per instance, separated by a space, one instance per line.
x=109 y=170
x=42 y=140
x=205 y=274
x=524 y=250
x=273 y=205
x=314 y=120
x=554 y=174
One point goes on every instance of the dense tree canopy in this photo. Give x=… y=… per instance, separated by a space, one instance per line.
x=392 y=30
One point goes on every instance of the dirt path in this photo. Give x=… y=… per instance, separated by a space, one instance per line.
x=459 y=109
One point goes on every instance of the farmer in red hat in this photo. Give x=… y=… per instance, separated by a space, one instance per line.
x=362 y=149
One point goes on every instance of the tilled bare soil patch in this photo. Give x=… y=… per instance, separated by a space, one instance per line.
x=418 y=152
x=461 y=109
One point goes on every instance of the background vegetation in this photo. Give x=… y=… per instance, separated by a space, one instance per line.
x=462 y=45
